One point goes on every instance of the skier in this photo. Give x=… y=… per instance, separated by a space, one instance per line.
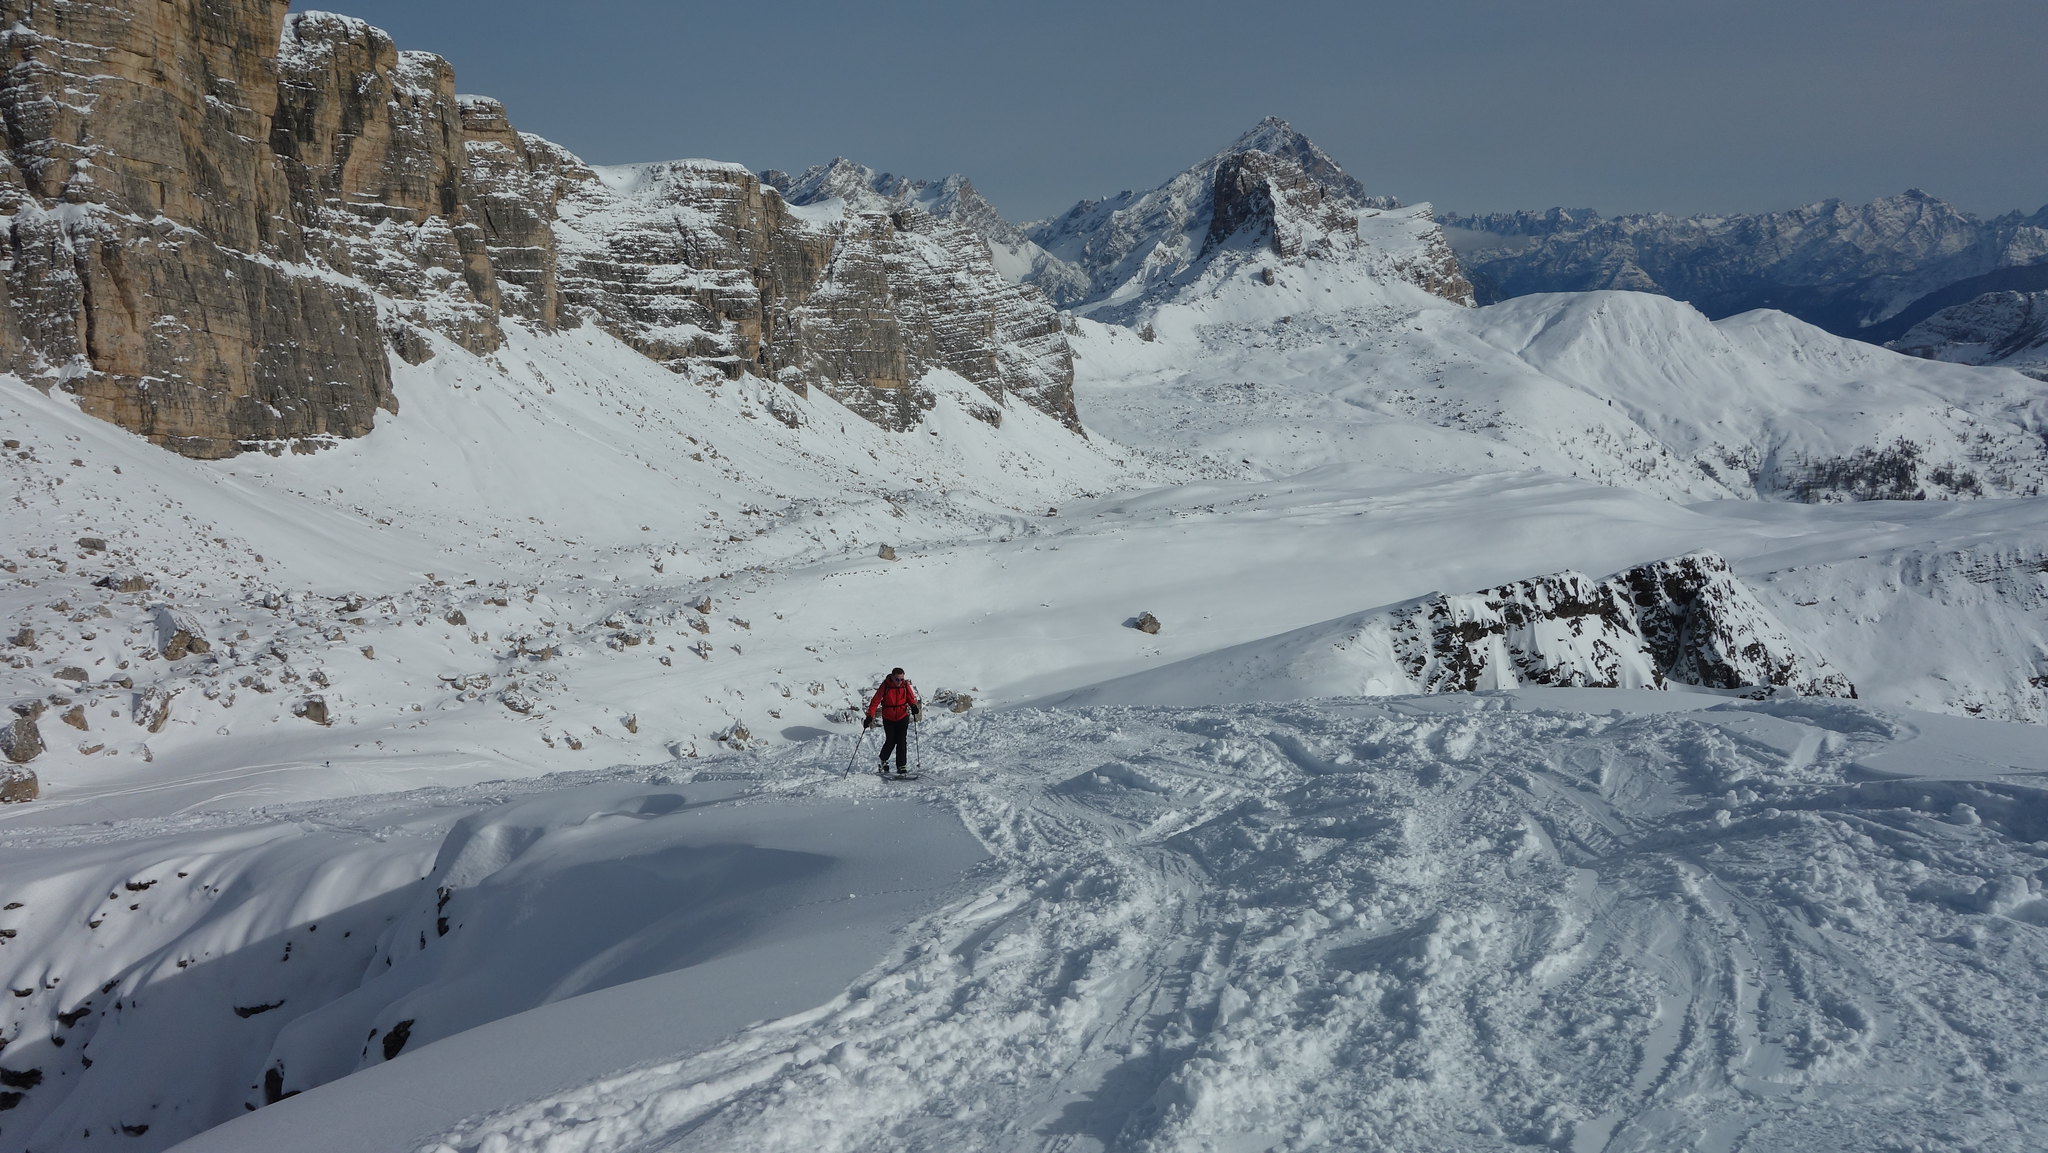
x=897 y=701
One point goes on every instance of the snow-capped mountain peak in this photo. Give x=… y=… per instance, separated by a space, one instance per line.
x=1284 y=198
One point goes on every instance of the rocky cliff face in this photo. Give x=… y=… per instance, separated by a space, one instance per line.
x=860 y=296
x=162 y=267
x=221 y=215
x=1855 y=270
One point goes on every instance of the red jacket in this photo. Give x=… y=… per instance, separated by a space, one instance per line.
x=896 y=698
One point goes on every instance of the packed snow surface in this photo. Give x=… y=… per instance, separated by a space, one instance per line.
x=1571 y=919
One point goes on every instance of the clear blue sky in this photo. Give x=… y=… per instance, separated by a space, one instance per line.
x=1476 y=105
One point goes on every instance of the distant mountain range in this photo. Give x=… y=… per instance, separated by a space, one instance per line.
x=1271 y=191
x=1876 y=272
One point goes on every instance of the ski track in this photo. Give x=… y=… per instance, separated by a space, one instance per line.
x=1409 y=925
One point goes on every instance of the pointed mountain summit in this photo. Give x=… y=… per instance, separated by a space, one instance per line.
x=1271 y=195
x=1276 y=137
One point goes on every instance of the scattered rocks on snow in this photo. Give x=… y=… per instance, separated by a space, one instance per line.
x=951 y=701
x=1144 y=623
x=886 y=552
x=72 y=673
x=314 y=709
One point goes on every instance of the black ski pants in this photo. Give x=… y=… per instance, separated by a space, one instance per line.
x=896 y=736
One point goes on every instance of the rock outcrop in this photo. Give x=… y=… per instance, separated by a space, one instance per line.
x=1687 y=620
x=21 y=738
x=222 y=215
x=18 y=785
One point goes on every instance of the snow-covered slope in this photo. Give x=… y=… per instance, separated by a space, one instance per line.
x=1567 y=918
x=1329 y=364
x=454 y=581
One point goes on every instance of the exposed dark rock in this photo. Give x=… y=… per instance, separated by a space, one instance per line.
x=1687 y=620
x=394 y=1041
x=1144 y=623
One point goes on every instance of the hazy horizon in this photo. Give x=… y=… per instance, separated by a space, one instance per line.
x=1475 y=107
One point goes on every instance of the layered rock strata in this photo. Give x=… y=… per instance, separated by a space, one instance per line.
x=221 y=216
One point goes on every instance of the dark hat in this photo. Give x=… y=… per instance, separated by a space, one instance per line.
x=896 y=672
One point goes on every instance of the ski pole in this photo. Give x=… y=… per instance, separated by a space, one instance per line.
x=858 y=737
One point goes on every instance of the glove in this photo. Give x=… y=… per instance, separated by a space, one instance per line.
x=868 y=723
x=917 y=714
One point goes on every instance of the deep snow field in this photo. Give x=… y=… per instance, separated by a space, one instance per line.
x=507 y=805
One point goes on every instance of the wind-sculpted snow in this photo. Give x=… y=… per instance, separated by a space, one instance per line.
x=177 y=974
x=1556 y=918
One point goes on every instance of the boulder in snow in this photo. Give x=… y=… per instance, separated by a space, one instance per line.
x=21 y=741
x=18 y=785
x=178 y=634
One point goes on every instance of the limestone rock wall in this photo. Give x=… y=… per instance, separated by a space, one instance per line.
x=701 y=263
x=159 y=260
x=220 y=217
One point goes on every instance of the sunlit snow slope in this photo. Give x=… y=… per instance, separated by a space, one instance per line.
x=1558 y=918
